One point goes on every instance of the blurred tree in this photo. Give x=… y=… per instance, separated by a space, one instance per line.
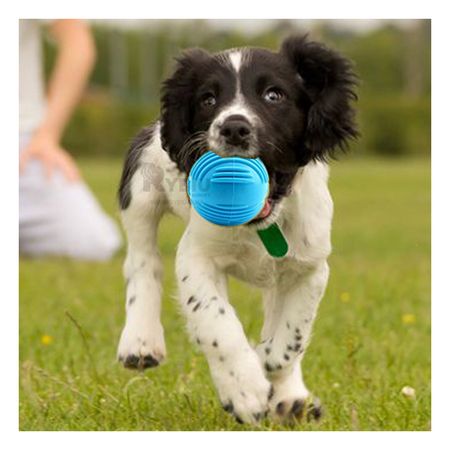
x=118 y=63
x=417 y=59
x=393 y=63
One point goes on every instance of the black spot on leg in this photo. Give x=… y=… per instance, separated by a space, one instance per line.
x=286 y=357
x=271 y=392
x=268 y=367
x=221 y=358
x=280 y=408
x=215 y=344
x=131 y=300
x=314 y=411
x=185 y=278
x=191 y=299
x=297 y=408
x=221 y=310
x=213 y=298
x=267 y=350
x=150 y=361
x=279 y=367
x=198 y=341
x=131 y=362
x=196 y=306
x=257 y=416
x=228 y=407
x=139 y=362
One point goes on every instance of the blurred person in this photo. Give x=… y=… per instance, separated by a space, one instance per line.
x=58 y=214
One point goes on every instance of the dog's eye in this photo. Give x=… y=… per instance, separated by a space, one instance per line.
x=208 y=100
x=273 y=95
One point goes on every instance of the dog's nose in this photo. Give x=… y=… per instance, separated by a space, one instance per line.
x=236 y=130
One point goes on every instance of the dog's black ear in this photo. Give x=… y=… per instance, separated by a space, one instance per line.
x=329 y=83
x=177 y=102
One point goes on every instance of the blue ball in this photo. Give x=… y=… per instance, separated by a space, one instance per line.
x=228 y=191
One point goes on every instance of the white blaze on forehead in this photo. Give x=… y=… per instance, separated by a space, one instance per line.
x=237 y=106
x=236 y=60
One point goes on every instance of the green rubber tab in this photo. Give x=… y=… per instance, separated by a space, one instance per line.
x=274 y=241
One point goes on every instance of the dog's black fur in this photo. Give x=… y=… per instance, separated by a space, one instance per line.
x=132 y=164
x=314 y=118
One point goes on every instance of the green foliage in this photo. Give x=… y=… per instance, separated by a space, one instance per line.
x=394 y=126
x=393 y=63
x=105 y=127
x=371 y=338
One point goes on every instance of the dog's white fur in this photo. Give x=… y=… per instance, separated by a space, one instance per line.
x=292 y=286
x=237 y=107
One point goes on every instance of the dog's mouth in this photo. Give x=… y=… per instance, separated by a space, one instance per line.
x=280 y=185
x=266 y=210
x=265 y=216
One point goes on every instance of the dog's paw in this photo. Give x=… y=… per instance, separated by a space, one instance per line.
x=140 y=349
x=296 y=409
x=243 y=389
x=292 y=402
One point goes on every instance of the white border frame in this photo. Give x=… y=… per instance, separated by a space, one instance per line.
x=227 y=10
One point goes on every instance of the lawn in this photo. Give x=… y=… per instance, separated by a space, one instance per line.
x=371 y=338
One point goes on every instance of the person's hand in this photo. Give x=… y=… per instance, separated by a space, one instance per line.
x=53 y=157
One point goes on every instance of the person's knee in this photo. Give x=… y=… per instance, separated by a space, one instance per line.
x=64 y=219
x=106 y=245
x=98 y=243
x=97 y=238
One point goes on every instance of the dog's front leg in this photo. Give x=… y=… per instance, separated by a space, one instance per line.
x=142 y=343
x=290 y=311
x=212 y=323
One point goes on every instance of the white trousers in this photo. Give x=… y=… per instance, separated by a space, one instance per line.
x=60 y=218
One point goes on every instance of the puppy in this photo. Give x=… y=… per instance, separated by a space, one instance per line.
x=294 y=110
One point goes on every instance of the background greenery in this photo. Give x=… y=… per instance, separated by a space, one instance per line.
x=393 y=63
x=371 y=339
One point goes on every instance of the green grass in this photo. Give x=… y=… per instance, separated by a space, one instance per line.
x=363 y=351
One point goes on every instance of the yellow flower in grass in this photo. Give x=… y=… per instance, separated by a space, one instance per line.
x=344 y=297
x=408 y=319
x=46 y=339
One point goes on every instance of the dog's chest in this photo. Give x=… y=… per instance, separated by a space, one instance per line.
x=247 y=259
x=239 y=252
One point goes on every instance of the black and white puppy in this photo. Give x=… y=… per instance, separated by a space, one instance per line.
x=292 y=109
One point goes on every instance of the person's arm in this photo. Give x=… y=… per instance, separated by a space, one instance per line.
x=75 y=60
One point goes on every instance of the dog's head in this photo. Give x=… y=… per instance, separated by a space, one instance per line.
x=287 y=108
